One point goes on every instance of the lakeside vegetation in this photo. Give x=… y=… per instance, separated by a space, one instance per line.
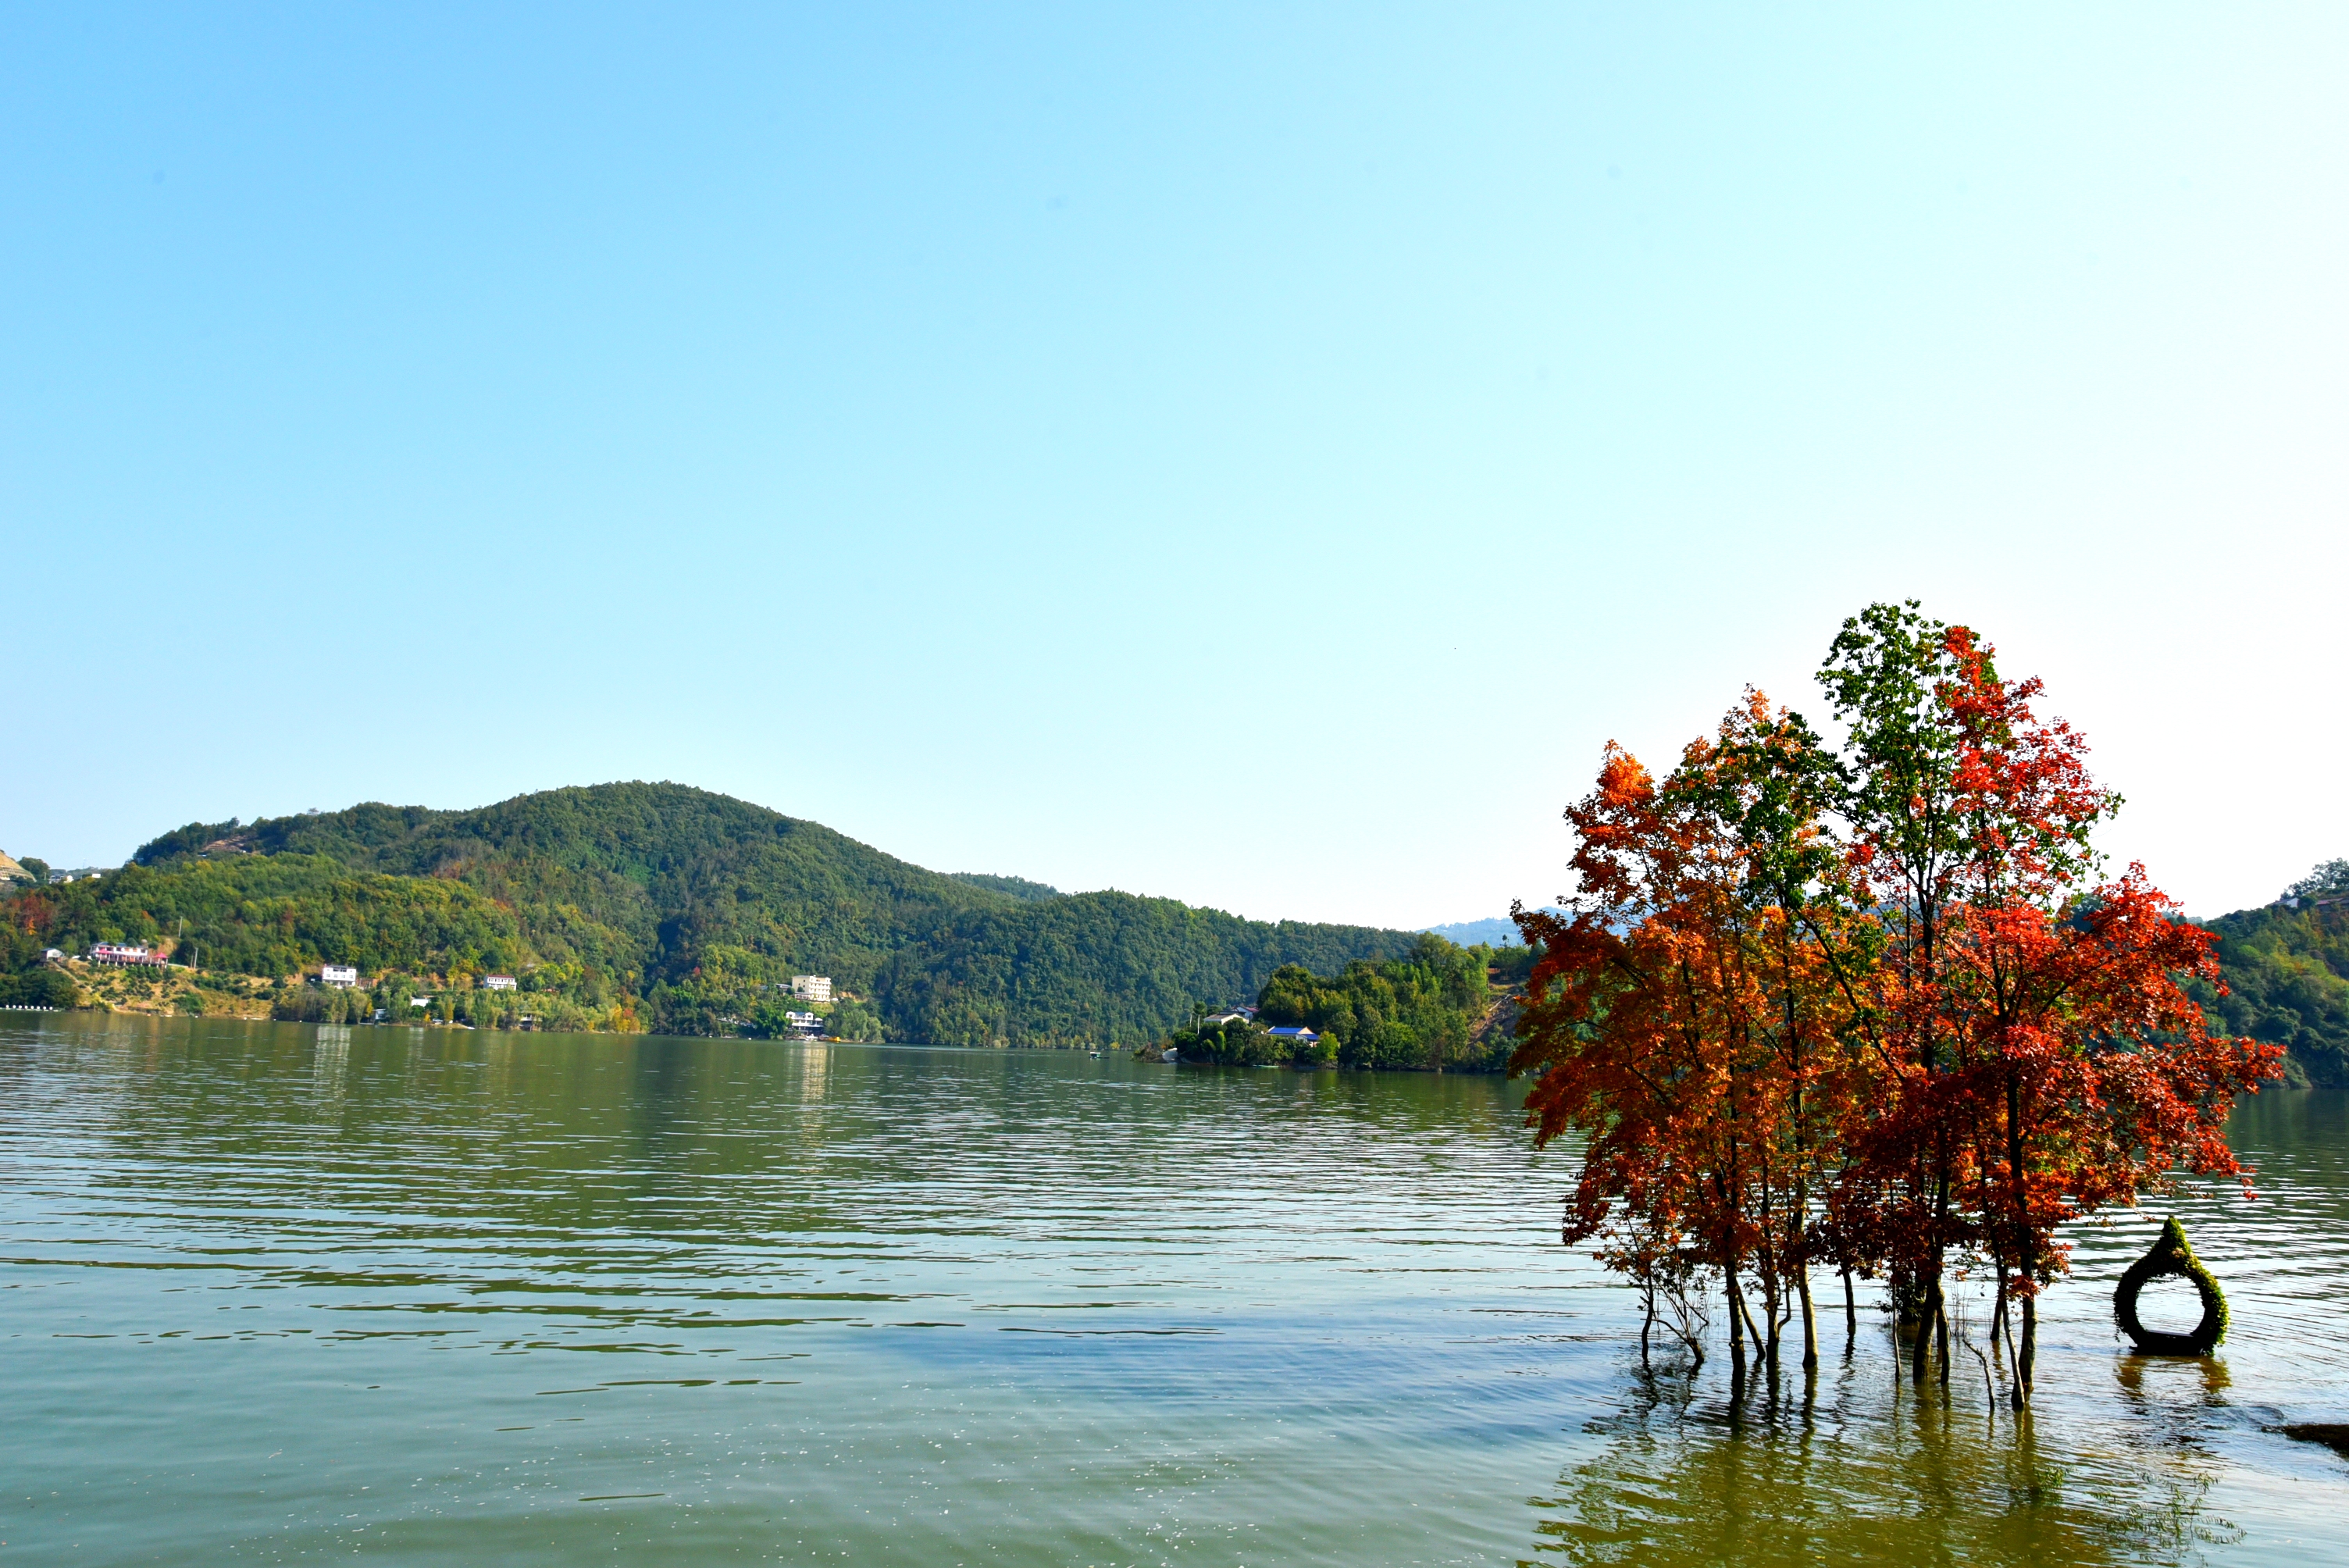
x=25 y=980
x=660 y=907
x=1438 y=1008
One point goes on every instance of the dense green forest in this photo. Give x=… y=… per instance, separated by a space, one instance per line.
x=1427 y=1010
x=668 y=908
x=24 y=982
x=2287 y=971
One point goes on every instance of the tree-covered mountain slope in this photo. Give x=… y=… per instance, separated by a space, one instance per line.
x=2287 y=972
x=695 y=907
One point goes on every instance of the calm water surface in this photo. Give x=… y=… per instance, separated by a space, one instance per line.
x=274 y=1293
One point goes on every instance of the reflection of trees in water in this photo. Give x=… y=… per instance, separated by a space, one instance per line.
x=1870 y=1472
x=330 y=1060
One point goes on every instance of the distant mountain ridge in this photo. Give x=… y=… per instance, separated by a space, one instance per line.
x=1498 y=932
x=688 y=909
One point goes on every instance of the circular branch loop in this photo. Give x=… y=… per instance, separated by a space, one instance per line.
x=2171 y=1254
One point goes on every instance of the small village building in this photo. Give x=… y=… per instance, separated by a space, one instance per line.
x=498 y=982
x=123 y=953
x=1302 y=1037
x=52 y=955
x=812 y=987
x=341 y=977
x=807 y=1025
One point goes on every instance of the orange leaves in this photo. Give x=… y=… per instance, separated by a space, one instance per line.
x=1682 y=1015
x=1873 y=1006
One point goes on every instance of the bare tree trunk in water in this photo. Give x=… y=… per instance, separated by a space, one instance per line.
x=1810 y=1320
x=1998 y=1316
x=1920 y=1350
x=1850 y=1309
x=1934 y=1319
x=2025 y=1256
x=1736 y=1340
x=2028 y=1355
x=1930 y=1324
x=1648 y=1301
x=1753 y=1329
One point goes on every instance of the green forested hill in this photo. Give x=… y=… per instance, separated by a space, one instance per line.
x=689 y=909
x=2287 y=972
x=271 y=915
x=1088 y=968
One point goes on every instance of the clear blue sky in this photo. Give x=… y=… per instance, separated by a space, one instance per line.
x=1257 y=455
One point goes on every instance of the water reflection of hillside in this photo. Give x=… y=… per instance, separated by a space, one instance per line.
x=451 y=1130
x=487 y=1164
x=1323 y=1315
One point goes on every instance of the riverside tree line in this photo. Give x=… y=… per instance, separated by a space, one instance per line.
x=1878 y=1009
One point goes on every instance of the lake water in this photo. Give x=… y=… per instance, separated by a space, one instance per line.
x=278 y=1294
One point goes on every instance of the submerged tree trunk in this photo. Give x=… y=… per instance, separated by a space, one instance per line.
x=1753 y=1330
x=1850 y=1309
x=2028 y=1354
x=1736 y=1338
x=1920 y=1347
x=1930 y=1325
x=1810 y=1319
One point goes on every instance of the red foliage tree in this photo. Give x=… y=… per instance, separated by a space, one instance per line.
x=1934 y=1029
x=1683 y=1016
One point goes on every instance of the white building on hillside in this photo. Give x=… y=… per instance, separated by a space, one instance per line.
x=812 y=987
x=341 y=977
x=499 y=982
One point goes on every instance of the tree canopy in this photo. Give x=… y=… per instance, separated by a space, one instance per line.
x=1867 y=1009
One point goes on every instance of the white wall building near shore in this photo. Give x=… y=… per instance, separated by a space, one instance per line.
x=812 y=987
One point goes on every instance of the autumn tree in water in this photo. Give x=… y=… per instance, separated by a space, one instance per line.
x=1872 y=1009
x=1686 y=1015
